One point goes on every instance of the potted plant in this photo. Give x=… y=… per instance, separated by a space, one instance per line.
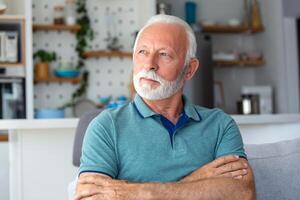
x=42 y=67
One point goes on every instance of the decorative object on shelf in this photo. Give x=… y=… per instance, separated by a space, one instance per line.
x=265 y=97
x=3 y=7
x=112 y=39
x=67 y=73
x=48 y=113
x=256 y=20
x=248 y=104
x=9 y=46
x=163 y=8
x=83 y=36
x=59 y=14
x=190 y=12
x=191 y=15
x=70 y=12
x=234 y=22
x=66 y=70
x=42 y=67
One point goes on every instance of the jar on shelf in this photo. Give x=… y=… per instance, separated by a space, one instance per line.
x=70 y=12
x=59 y=14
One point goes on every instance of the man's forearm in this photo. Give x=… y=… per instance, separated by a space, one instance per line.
x=217 y=188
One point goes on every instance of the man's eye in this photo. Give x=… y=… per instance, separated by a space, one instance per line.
x=142 y=51
x=164 y=54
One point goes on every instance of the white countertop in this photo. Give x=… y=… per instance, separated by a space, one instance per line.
x=72 y=122
x=38 y=123
x=266 y=119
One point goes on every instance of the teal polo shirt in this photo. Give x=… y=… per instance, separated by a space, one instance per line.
x=134 y=143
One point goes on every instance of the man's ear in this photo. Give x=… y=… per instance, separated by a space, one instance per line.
x=193 y=66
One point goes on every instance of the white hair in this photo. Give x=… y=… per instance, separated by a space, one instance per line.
x=169 y=19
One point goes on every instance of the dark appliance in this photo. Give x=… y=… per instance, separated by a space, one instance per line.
x=200 y=89
x=12 y=99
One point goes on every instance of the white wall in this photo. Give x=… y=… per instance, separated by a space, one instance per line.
x=292 y=64
x=272 y=43
x=291 y=8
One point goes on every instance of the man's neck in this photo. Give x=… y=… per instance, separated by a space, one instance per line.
x=170 y=108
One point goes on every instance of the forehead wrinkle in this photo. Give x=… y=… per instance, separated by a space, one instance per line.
x=169 y=38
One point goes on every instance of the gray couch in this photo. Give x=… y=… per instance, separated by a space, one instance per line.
x=276 y=169
x=276 y=166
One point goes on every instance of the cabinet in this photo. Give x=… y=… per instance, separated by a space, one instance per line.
x=17 y=20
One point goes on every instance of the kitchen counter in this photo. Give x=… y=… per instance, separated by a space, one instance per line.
x=72 y=122
x=38 y=123
x=266 y=119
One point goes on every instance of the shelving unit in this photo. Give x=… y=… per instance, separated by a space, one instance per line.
x=4 y=64
x=242 y=63
x=12 y=17
x=221 y=29
x=103 y=54
x=75 y=80
x=57 y=27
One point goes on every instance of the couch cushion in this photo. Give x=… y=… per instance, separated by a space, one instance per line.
x=276 y=169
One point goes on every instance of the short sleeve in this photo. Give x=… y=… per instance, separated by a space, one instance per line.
x=231 y=142
x=98 y=148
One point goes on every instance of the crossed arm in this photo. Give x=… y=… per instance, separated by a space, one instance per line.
x=228 y=177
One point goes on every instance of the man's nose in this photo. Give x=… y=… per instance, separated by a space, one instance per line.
x=150 y=63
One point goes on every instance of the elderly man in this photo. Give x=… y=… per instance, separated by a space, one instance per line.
x=160 y=145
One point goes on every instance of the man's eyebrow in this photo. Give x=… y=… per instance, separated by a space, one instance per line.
x=143 y=46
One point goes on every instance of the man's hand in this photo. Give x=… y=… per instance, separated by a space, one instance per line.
x=96 y=186
x=227 y=166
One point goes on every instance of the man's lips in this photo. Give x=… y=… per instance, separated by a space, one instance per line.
x=148 y=79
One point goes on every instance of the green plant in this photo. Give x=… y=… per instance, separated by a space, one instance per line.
x=45 y=56
x=83 y=37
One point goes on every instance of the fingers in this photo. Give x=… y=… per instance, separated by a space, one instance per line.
x=232 y=166
x=224 y=160
x=94 y=179
x=238 y=174
x=85 y=191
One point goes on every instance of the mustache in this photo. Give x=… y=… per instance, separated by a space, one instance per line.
x=149 y=75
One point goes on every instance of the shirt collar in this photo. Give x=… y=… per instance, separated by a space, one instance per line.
x=144 y=110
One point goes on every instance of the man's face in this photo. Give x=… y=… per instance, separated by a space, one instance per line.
x=159 y=61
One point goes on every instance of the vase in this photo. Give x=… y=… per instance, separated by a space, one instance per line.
x=256 y=20
x=42 y=71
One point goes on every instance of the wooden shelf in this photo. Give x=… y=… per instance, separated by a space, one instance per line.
x=227 y=29
x=12 y=17
x=3 y=64
x=102 y=54
x=3 y=137
x=57 y=27
x=59 y=79
x=244 y=63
